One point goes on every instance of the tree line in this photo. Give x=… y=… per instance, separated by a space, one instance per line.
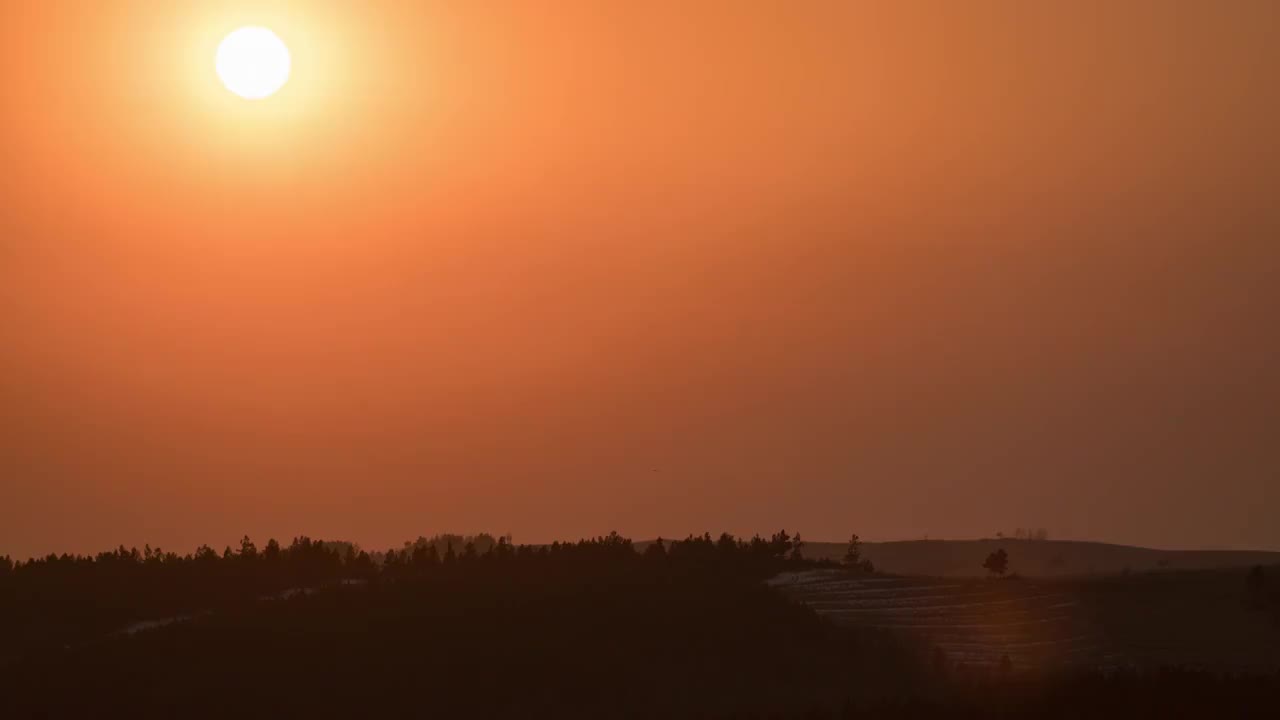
x=478 y=626
x=66 y=599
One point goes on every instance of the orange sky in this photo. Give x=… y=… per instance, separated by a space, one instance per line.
x=902 y=269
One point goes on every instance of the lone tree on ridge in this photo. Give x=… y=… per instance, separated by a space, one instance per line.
x=997 y=562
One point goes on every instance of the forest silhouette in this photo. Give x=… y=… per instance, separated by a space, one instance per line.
x=478 y=626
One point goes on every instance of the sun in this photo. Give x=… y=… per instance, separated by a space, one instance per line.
x=253 y=62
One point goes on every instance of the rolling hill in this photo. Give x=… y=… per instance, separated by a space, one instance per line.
x=1035 y=558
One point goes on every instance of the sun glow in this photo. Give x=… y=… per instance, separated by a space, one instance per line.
x=253 y=62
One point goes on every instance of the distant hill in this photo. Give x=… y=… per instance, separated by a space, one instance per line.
x=1035 y=558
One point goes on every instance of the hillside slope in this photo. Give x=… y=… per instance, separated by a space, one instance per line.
x=1035 y=558
x=1193 y=619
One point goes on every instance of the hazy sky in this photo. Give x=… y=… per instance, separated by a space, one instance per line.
x=940 y=268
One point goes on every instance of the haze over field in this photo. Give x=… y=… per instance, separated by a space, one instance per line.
x=927 y=268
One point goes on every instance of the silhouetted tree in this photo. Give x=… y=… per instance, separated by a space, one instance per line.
x=362 y=566
x=484 y=542
x=997 y=562
x=391 y=564
x=248 y=551
x=853 y=553
x=424 y=558
x=1037 y=534
x=853 y=556
x=780 y=544
x=657 y=550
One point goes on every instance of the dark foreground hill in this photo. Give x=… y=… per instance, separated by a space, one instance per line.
x=592 y=629
x=579 y=644
x=1035 y=558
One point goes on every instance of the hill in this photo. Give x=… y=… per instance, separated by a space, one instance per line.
x=1035 y=558
x=1205 y=619
x=701 y=629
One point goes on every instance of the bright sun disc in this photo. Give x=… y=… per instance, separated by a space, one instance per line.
x=253 y=62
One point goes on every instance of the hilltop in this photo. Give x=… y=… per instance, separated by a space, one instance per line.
x=1035 y=558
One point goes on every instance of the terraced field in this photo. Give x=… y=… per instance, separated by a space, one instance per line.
x=1197 y=619
x=975 y=622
